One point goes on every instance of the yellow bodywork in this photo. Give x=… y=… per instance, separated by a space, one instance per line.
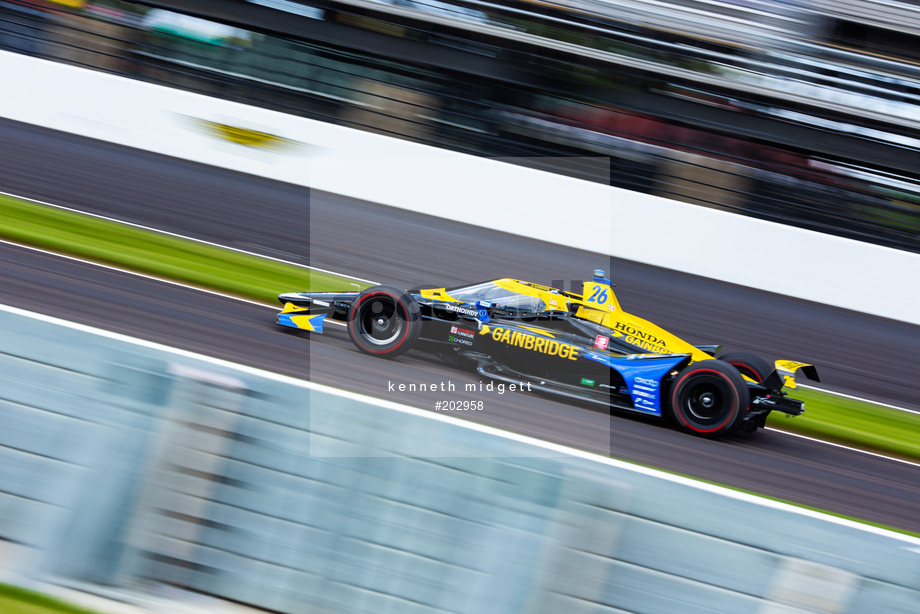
x=292 y=308
x=598 y=303
x=787 y=369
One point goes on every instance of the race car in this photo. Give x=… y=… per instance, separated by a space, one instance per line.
x=580 y=346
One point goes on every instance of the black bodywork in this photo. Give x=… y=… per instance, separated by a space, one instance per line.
x=554 y=351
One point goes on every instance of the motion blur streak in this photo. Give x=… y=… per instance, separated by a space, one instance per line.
x=804 y=116
x=145 y=466
x=177 y=235
x=333 y=322
x=401 y=248
x=129 y=272
x=130 y=470
x=788 y=468
x=837 y=445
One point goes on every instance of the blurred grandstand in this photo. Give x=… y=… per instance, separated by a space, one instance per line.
x=802 y=111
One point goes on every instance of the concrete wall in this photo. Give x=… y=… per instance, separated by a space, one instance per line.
x=130 y=464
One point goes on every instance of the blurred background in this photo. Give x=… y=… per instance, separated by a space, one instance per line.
x=133 y=474
x=153 y=480
x=797 y=111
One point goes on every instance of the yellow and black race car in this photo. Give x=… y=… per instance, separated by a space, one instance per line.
x=582 y=346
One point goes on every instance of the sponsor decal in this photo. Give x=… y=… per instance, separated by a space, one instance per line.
x=483 y=313
x=645 y=393
x=463 y=332
x=645 y=345
x=601 y=341
x=453 y=339
x=466 y=311
x=549 y=347
x=640 y=338
x=243 y=136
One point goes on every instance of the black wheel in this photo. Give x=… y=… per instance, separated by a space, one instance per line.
x=709 y=398
x=384 y=321
x=748 y=364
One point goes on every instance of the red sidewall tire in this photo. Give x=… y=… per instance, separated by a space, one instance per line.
x=709 y=398
x=748 y=364
x=384 y=321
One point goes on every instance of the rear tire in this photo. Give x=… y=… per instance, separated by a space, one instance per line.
x=709 y=398
x=748 y=364
x=384 y=321
x=755 y=368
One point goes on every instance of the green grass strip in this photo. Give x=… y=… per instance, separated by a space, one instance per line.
x=16 y=600
x=157 y=254
x=855 y=423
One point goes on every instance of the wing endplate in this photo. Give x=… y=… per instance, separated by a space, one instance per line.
x=787 y=368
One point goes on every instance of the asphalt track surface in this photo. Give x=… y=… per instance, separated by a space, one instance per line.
x=859 y=354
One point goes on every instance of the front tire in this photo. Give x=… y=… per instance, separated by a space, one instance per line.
x=384 y=321
x=709 y=398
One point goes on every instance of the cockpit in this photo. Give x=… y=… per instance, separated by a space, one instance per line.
x=499 y=297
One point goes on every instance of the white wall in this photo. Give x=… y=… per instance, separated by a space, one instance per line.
x=639 y=227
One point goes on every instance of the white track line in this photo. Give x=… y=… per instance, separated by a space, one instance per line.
x=130 y=272
x=243 y=300
x=178 y=236
x=845 y=447
x=151 y=277
x=855 y=398
x=474 y=426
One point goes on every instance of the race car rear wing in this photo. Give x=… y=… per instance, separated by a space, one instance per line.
x=773 y=398
x=785 y=372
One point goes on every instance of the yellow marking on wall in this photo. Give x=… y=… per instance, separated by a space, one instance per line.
x=243 y=136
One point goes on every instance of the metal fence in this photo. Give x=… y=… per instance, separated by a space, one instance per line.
x=546 y=107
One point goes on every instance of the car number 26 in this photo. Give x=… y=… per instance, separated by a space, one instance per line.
x=599 y=295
